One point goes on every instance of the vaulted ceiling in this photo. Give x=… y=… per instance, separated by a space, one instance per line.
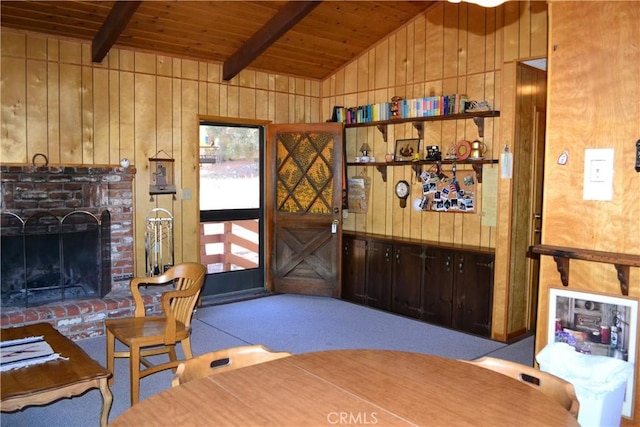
x=310 y=39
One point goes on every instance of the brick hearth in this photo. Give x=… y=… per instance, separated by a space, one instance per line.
x=82 y=319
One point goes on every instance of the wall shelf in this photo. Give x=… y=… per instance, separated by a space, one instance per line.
x=562 y=255
x=382 y=166
x=418 y=122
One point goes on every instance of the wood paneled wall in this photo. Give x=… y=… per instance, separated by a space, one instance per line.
x=452 y=48
x=593 y=71
x=55 y=101
x=133 y=105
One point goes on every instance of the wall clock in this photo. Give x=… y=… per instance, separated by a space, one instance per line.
x=402 y=191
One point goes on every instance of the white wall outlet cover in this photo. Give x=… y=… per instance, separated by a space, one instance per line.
x=598 y=174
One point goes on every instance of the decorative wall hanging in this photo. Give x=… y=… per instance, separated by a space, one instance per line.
x=443 y=191
x=358 y=194
x=161 y=178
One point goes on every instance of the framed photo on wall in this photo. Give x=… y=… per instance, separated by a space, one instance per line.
x=406 y=149
x=596 y=324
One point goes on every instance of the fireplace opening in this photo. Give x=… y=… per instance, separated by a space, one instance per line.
x=48 y=259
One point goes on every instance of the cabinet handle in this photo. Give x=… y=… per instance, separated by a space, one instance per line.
x=486 y=264
x=398 y=257
x=461 y=265
x=447 y=263
x=387 y=255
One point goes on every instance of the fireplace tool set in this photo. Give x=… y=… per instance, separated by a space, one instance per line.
x=158 y=241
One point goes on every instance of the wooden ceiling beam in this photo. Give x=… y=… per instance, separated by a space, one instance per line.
x=286 y=18
x=112 y=27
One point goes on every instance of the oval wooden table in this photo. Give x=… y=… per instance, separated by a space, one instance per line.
x=351 y=387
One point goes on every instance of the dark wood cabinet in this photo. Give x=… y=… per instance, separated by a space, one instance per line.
x=406 y=287
x=379 y=273
x=473 y=293
x=354 y=264
x=366 y=272
x=437 y=300
x=445 y=285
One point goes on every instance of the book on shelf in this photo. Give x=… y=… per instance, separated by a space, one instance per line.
x=428 y=106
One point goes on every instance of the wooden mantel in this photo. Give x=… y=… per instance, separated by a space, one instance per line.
x=561 y=255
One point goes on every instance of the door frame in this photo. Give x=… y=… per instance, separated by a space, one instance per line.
x=228 y=121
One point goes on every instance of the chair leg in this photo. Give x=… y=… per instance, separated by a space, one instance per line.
x=134 y=362
x=111 y=343
x=186 y=348
x=171 y=351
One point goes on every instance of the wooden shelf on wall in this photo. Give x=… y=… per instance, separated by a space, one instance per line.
x=562 y=255
x=418 y=122
x=417 y=164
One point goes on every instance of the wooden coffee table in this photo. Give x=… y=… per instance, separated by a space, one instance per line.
x=50 y=381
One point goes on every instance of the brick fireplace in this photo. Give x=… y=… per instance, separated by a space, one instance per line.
x=57 y=191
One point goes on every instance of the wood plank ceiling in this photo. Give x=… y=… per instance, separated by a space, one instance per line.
x=295 y=38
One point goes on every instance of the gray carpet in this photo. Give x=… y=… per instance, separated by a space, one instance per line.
x=294 y=323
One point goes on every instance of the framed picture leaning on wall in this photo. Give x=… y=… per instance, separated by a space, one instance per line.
x=596 y=324
x=406 y=149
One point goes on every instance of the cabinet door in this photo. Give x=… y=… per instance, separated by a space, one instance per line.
x=379 y=277
x=438 y=286
x=353 y=269
x=407 y=280
x=473 y=293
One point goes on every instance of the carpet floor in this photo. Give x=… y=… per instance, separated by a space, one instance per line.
x=293 y=323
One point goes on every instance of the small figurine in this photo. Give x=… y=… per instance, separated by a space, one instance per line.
x=393 y=108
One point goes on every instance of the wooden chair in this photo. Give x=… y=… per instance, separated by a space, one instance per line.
x=223 y=360
x=556 y=388
x=161 y=333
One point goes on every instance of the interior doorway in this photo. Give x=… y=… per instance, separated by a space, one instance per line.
x=231 y=210
x=528 y=170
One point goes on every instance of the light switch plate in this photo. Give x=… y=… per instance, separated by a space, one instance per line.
x=598 y=174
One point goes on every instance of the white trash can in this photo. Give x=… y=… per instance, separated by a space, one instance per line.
x=600 y=382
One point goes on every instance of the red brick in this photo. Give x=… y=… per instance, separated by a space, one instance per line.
x=31 y=315
x=98 y=305
x=84 y=307
x=72 y=309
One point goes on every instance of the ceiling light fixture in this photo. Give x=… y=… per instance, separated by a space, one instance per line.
x=483 y=3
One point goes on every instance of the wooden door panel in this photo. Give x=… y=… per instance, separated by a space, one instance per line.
x=304 y=252
x=438 y=286
x=474 y=292
x=379 y=276
x=353 y=269
x=407 y=279
x=304 y=206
